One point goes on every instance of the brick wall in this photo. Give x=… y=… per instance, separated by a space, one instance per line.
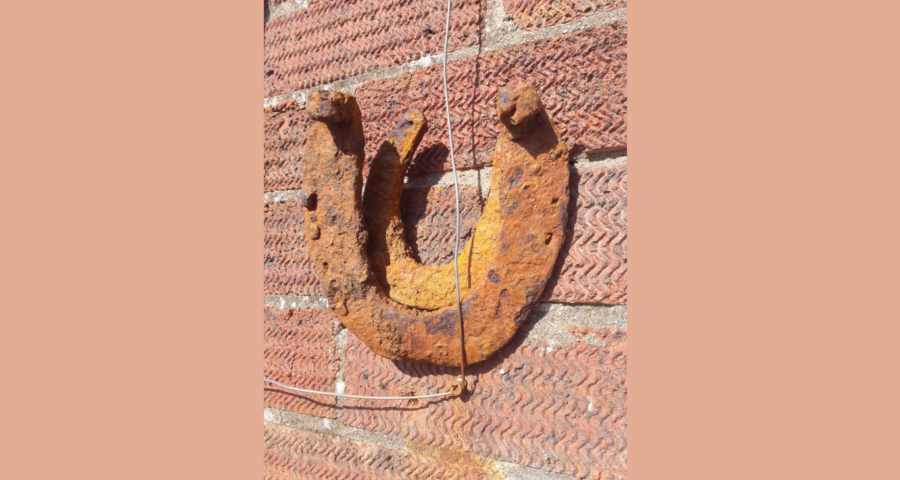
x=552 y=403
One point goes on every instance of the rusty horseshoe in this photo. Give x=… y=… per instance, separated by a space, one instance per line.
x=398 y=307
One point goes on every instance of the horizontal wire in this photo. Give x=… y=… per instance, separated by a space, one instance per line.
x=433 y=395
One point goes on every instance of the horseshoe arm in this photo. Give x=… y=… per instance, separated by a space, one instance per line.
x=530 y=196
x=406 y=280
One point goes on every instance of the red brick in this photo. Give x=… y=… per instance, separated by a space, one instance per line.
x=556 y=408
x=297 y=454
x=285 y=134
x=335 y=39
x=580 y=77
x=287 y=266
x=299 y=350
x=593 y=263
x=429 y=218
x=534 y=14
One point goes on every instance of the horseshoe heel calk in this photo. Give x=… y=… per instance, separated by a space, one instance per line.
x=530 y=195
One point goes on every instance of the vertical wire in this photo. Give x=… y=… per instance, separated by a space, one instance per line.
x=462 y=350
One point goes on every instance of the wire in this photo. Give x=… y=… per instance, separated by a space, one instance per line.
x=462 y=350
x=433 y=395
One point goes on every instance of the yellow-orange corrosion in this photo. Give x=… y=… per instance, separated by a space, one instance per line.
x=403 y=278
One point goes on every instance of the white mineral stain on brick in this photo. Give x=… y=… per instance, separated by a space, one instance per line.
x=426 y=62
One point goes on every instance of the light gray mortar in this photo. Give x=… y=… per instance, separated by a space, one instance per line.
x=281 y=196
x=477 y=177
x=497 y=24
x=498 y=37
x=324 y=426
x=549 y=321
x=288 y=7
x=512 y=471
x=295 y=302
x=619 y=157
x=339 y=384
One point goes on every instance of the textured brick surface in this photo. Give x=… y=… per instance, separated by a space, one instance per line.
x=299 y=350
x=296 y=454
x=429 y=215
x=335 y=39
x=287 y=266
x=285 y=134
x=580 y=78
x=559 y=409
x=593 y=263
x=534 y=14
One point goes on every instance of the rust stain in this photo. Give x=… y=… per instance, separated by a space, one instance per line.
x=399 y=308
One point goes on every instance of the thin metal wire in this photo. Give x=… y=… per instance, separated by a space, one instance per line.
x=462 y=350
x=301 y=390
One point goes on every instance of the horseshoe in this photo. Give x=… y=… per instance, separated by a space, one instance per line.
x=399 y=308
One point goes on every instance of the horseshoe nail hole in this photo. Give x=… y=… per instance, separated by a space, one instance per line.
x=547 y=240
x=308 y=200
x=555 y=201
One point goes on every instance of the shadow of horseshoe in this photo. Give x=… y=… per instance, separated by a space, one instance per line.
x=399 y=308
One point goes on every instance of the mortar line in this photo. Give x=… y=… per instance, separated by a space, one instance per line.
x=325 y=426
x=494 y=40
x=288 y=7
x=478 y=176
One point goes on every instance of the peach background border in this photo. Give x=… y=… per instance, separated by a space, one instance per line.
x=763 y=233
x=763 y=225
x=132 y=198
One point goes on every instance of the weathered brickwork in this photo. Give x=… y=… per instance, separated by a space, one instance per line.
x=296 y=454
x=555 y=408
x=287 y=266
x=580 y=78
x=285 y=134
x=534 y=14
x=429 y=215
x=299 y=350
x=334 y=39
x=593 y=266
